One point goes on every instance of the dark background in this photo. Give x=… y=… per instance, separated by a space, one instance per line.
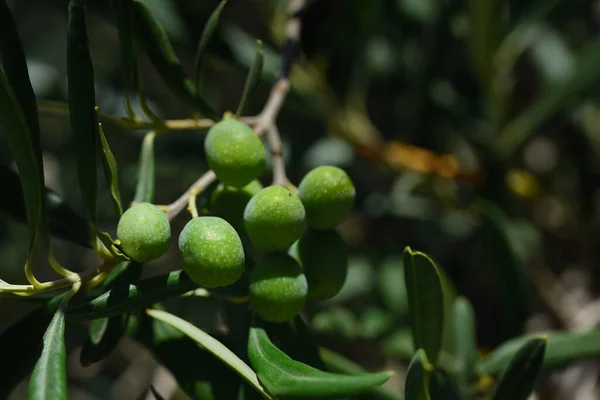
x=397 y=92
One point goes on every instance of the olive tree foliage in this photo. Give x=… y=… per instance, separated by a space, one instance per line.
x=264 y=251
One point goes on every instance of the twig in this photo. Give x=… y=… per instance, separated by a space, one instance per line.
x=274 y=140
x=201 y=184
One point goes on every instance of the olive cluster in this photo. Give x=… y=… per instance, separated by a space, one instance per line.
x=300 y=252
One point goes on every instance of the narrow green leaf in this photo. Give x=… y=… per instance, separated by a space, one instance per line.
x=207 y=34
x=518 y=379
x=561 y=348
x=21 y=345
x=14 y=63
x=252 y=79
x=508 y=268
x=110 y=171
x=134 y=296
x=441 y=386
x=144 y=190
x=584 y=79
x=49 y=377
x=152 y=37
x=123 y=14
x=283 y=376
x=63 y=221
x=82 y=106
x=340 y=364
x=464 y=349
x=212 y=345
x=416 y=386
x=111 y=245
x=425 y=302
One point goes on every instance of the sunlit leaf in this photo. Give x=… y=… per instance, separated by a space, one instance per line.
x=518 y=379
x=283 y=376
x=82 y=106
x=49 y=377
x=212 y=345
x=426 y=302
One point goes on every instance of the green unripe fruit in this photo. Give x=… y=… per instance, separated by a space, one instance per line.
x=212 y=252
x=278 y=288
x=328 y=196
x=324 y=258
x=229 y=203
x=274 y=219
x=234 y=152
x=144 y=232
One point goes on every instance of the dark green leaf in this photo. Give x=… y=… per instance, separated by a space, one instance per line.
x=144 y=190
x=105 y=336
x=212 y=345
x=152 y=37
x=63 y=221
x=134 y=296
x=400 y=344
x=123 y=14
x=416 y=386
x=340 y=364
x=82 y=106
x=441 y=386
x=508 y=268
x=518 y=379
x=425 y=301
x=283 y=376
x=252 y=79
x=110 y=171
x=21 y=345
x=464 y=349
x=49 y=377
x=561 y=348
x=207 y=34
x=583 y=79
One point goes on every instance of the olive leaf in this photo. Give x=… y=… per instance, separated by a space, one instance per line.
x=82 y=107
x=134 y=296
x=416 y=386
x=123 y=14
x=464 y=349
x=518 y=379
x=425 y=301
x=561 y=349
x=283 y=376
x=252 y=79
x=152 y=37
x=212 y=345
x=207 y=34
x=19 y=122
x=63 y=221
x=337 y=363
x=508 y=267
x=49 y=377
x=144 y=190
x=442 y=387
x=110 y=171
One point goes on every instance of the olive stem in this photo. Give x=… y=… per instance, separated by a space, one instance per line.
x=274 y=140
x=192 y=208
x=200 y=185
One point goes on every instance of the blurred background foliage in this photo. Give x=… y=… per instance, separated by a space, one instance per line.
x=471 y=129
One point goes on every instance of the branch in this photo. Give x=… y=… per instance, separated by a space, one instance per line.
x=181 y=203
